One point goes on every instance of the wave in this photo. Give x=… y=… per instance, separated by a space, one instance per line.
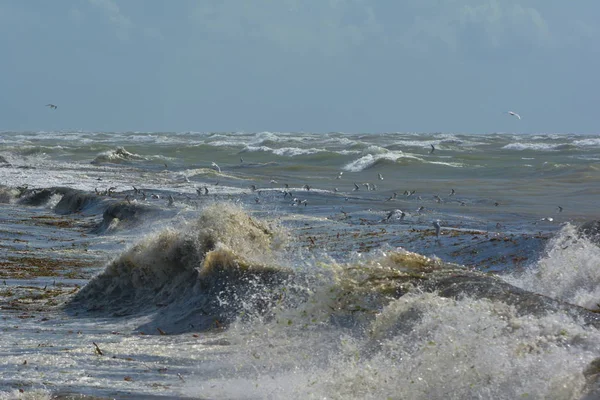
x=118 y=155
x=393 y=157
x=38 y=197
x=284 y=151
x=7 y=194
x=227 y=264
x=76 y=201
x=568 y=271
x=123 y=215
x=380 y=328
x=538 y=146
x=400 y=272
x=232 y=143
x=195 y=278
x=370 y=160
x=587 y=142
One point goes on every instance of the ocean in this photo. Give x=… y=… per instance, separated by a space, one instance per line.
x=273 y=265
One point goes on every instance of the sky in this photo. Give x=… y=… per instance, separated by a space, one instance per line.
x=453 y=66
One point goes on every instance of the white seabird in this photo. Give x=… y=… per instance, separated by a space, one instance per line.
x=399 y=214
x=514 y=114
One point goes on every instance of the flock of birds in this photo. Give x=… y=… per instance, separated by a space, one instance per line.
x=286 y=191
x=399 y=214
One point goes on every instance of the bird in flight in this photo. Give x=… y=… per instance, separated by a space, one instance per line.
x=514 y=114
x=52 y=106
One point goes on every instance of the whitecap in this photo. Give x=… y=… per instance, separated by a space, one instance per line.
x=531 y=146
x=367 y=161
x=568 y=272
x=595 y=142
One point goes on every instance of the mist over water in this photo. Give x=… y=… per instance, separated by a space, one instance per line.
x=280 y=265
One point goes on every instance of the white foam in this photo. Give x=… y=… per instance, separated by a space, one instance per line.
x=532 y=146
x=568 y=271
x=587 y=142
x=447 y=164
x=368 y=160
x=284 y=151
x=420 y=346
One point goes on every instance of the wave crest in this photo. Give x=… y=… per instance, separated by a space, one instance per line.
x=195 y=278
x=115 y=156
x=568 y=272
x=371 y=160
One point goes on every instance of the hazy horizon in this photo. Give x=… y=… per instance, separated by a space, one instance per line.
x=355 y=66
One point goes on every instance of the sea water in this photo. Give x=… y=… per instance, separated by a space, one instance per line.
x=278 y=265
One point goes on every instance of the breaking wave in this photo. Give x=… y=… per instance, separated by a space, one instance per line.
x=7 y=194
x=123 y=215
x=115 y=156
x=539 y=146
x=375 y=332
x=284 y=151
x=568 y=271
x=394 y=158
x=195 y=278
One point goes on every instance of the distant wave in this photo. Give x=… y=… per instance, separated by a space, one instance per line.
x=393 y=157
x=449 y=164
x=370 y=160
x=117 y=155
x=284 y=151
x=538 y=146
x=265 y=138
x=341 y=141
x=587 y=142
x=222 y=143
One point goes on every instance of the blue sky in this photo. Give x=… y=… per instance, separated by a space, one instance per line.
x=300 y=65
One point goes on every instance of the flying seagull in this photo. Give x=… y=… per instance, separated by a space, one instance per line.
x=514 y=114
x=52 y=106
x=432 y=149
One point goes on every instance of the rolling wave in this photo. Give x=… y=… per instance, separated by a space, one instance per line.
x=115 y=156
x=392 y=158
x=538 y=146
x=196 y=278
